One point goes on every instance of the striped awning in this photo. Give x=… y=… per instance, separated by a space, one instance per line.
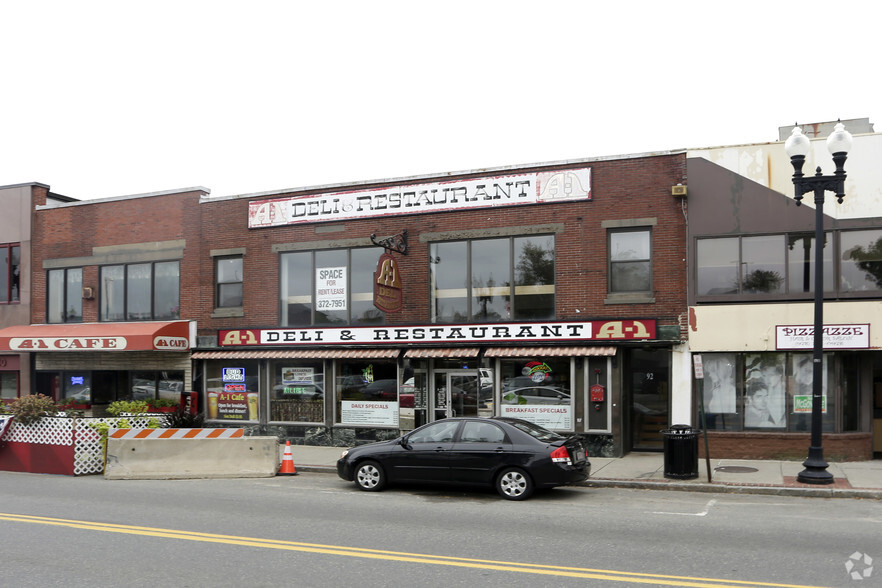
x=373 y=353
x=444 y=352
x=582 y=351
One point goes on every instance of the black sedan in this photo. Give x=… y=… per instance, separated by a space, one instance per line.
x=512 y=455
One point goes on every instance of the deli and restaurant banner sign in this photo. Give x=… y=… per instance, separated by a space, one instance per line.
x=493 y=191
x=444 y=334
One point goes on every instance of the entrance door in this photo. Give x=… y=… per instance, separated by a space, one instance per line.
x=456 y=393
x=648 y=381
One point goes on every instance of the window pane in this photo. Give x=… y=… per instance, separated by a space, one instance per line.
x=631 y=276
x=764 y=391
x=112 y=293
x=534 y=277
x=74 y=303
x=717 y=266
x=491 y=279
x=298 y=392
x=629 y=245
x=4 y=274
x=801 y=263
x=448 y=265
x=167 y=290
x=55 y=296
x=229 y=282
x=331 y=287
x=762 y=264
x=861 y=260
x=362 y=266
x=8 y=385
x=296 y=289
x=138 y=292
x=15 y=271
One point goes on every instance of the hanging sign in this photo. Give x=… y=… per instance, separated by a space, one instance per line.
x=388 y=293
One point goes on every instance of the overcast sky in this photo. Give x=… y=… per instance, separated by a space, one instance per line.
x=122 y=97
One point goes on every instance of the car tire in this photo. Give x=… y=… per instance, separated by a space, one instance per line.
x=514 y=484
x=369 y=476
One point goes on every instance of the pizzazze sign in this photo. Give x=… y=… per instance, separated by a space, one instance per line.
x=444 y=334
x=531 y=188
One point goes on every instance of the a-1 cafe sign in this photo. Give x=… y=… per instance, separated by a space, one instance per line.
x=445 y=334
x=493 y=191
x=794 y=337
x=160 y=343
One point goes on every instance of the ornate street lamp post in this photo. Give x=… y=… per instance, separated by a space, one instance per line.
x=797 y=147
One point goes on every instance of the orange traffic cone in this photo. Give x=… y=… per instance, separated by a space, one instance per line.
x=287 y=468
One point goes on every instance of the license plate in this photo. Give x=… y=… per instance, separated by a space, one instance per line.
x=580 y=455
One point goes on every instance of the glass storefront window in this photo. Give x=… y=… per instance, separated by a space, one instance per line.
x=8 y=385
x=367 y=393
x=231 y=389
x=298 y=391
x=538 y=390
x=773 y=391
x=77 y=385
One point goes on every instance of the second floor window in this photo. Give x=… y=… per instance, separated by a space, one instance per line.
x=141 y=291
x=630 y=261
x=489 y=280
x=64 y=299
x=10 y=271
x=228 y=276
x=334 y=286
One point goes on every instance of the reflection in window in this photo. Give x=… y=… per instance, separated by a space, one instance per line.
x=64 y=302
x=334 y=286
x=298 y=393
x=630 y=265
x=717 y=266
x=491 y=280
x=762 y=264
x=141 y=291
x=228 y=272
x=10 y=272
x=801 y=263
x=861 y=260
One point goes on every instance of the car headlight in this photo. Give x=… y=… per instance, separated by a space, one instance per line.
x=345 y=452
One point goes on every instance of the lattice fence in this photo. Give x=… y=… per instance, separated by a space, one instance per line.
x=79 y=432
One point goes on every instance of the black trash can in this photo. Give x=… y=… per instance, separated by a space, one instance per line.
x=681 y=452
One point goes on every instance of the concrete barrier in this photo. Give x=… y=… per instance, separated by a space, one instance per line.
x=155 y=458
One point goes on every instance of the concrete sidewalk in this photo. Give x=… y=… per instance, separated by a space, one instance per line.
x=861 y=479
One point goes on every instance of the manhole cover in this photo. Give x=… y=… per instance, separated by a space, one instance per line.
x=735 y=469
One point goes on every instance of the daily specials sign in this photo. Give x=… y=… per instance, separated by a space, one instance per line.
x=530 y=188
x=444 y=334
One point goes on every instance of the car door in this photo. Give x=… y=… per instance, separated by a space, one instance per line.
x=425 y=454
x=481 y=448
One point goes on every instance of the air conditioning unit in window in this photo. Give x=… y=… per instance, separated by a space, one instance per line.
x=88 y=293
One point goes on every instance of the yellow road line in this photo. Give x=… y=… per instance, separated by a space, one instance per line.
x=504 y=566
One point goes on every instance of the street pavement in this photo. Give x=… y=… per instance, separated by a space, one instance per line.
x=857 y=479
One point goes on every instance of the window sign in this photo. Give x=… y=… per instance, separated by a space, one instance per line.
x=330 y=288
x=297 y=375
x=360 y=412
x=539 y=393
x=234 y=374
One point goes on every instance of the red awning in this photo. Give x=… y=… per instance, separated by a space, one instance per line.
x=385 y=353
x=147 y=336
x=586 y=351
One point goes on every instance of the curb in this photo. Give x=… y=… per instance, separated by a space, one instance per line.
x=812 y=492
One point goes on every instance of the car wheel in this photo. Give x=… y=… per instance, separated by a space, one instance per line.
x=514 y=484
x=369 y=476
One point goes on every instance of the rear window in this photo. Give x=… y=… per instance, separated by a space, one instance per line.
x=535 y=431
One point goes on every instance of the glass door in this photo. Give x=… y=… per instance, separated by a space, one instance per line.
x=456 y=393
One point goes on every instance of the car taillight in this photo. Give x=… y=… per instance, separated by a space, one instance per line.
x=561 y=455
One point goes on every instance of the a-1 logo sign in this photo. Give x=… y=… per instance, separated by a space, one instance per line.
x=625 y=330
x=245 y=337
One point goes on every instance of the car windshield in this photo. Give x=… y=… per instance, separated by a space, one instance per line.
x=540 y=433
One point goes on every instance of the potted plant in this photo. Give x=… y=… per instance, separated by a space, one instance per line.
x=124 y=407
x=33 y=407
x=162 y=405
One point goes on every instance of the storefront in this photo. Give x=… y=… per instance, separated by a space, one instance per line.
x=565 y=376
x=94 y=364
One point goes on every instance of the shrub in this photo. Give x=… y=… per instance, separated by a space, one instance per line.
x=128 y=406
x=33 y=407
x=162 y=403
x=183 y=419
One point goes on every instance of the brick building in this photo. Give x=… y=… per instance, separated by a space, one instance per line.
x=336 y=314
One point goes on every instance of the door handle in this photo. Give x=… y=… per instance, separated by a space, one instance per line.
x=439 y=449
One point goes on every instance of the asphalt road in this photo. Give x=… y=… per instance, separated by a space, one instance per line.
x=316 y=530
